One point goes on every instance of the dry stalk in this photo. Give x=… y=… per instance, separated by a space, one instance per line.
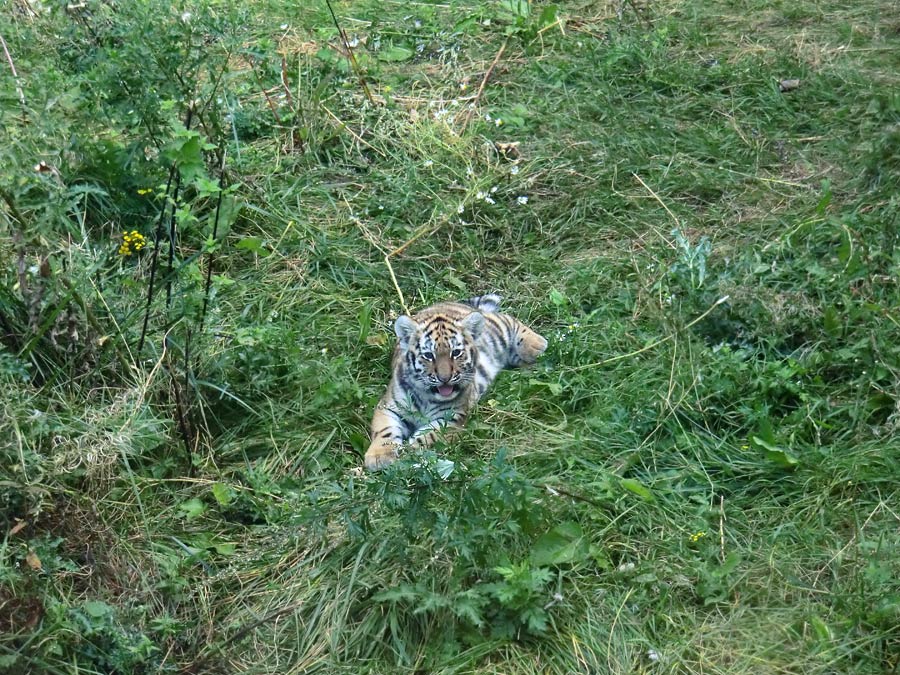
x=481 y=87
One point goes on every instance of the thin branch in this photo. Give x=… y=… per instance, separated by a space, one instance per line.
x=484 y=80
x=173 y=241
x=350 y=55
x=154 y=259
x=215 y=234
x=265 y=93
x=640 y=16
x=387 y=261
x=12 y=67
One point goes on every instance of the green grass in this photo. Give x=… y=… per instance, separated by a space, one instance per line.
x=683 y=484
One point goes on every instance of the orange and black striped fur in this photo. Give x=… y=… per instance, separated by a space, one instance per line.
x=446 y=358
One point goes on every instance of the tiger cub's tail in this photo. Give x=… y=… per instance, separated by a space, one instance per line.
x=489 y=302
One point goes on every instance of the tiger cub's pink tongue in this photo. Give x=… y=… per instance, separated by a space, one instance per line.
x=445 y=389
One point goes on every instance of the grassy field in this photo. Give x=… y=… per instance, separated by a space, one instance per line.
x=695 y=201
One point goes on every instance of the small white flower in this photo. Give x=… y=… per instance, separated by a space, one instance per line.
x=514 y=169
x=480 y=195
x=653 y=655
x=460 y=208
x=417 y=23
x=428 y=162
x=324 y=350
x=487 y=118
x=284 y=26
x=522 y=200
x=185 y=17
x=626 y=567
x=498 y=122
x=493 y=189
x=489 y=200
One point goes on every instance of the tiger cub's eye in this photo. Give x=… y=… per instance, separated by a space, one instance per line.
x=456 y=353
x=428 y=356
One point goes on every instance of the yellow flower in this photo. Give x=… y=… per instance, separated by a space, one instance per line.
x=132 y=242
x=145 y=191
x=697 y=536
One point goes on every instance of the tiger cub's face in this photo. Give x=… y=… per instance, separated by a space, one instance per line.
x=438 y=356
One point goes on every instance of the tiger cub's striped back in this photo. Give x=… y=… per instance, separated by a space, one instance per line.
x=446 y=358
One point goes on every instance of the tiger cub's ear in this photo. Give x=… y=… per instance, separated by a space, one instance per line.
x=405 y=328
x=473 y=324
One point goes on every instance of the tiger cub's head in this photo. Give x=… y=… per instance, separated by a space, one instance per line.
x=438 y=355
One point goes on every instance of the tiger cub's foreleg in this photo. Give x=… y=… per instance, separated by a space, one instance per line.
x=387 y=437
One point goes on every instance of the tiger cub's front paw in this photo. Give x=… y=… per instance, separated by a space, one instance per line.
x=380 y=456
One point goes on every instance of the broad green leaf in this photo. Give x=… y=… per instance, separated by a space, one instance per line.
x=565 y=543
x=225 y=548
x=732 y=560
x=548 y=16
x=776 y=454
x=637 y=488
x=252 y=244
x=222 y=493
x=395 y=53
x=557 y=298
x=555 y=387
x=518 y=8
x=823 y=632
x=192 y=508
x=451 y=278
x=97 y=609
x=206 y=186
x=444 y=468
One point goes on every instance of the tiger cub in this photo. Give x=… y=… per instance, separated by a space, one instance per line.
x=446 y=358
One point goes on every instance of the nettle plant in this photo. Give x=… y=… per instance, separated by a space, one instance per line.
x=481 y=540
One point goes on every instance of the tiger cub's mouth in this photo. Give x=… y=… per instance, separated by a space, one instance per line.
x=445 y=389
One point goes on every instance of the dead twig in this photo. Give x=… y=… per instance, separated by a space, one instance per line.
x=661 y=202
x=15 y=74
x=481 y=87
x=343 y=125
x=654 y=344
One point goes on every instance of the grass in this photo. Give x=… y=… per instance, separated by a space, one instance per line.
x=700 y=476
